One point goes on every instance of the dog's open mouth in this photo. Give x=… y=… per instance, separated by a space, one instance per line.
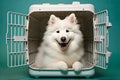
x=64 y=44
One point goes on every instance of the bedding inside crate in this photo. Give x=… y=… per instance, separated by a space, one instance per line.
x=37 y=26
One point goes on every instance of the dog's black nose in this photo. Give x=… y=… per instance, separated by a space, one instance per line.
x=63 y=39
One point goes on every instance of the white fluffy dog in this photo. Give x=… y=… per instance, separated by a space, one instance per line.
x=62 y=45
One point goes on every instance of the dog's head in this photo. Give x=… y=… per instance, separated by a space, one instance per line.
x=63 y=32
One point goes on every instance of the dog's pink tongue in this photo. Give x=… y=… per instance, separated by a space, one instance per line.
x=63 y=45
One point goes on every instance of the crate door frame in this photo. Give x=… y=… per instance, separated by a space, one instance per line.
x=16 y=39
x=101 y=39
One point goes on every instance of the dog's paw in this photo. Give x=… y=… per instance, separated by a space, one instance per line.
x=77 y=66
x=62 y=65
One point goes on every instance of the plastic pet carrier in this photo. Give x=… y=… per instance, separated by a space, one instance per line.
x=25 y=32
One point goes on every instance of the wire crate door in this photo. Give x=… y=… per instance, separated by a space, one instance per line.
x=16 y=39
x=101 y=38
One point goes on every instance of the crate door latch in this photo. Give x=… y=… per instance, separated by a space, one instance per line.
x=20 y=38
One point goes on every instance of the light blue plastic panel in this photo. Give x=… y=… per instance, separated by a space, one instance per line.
x=101 y=38
x=16 y=39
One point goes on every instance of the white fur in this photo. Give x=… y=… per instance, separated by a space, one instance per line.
x=51 y=55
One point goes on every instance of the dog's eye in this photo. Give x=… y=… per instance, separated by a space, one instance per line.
x=67 y=30
x=57 y=31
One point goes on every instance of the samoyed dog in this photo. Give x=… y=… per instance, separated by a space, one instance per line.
x=62 y=45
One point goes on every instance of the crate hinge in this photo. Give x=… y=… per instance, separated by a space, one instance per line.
x=108 y=54
x=108 y=25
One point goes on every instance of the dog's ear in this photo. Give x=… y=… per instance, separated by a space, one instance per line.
x=52 y=19
x=72 y=18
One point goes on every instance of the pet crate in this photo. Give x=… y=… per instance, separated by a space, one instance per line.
x=25 y=32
